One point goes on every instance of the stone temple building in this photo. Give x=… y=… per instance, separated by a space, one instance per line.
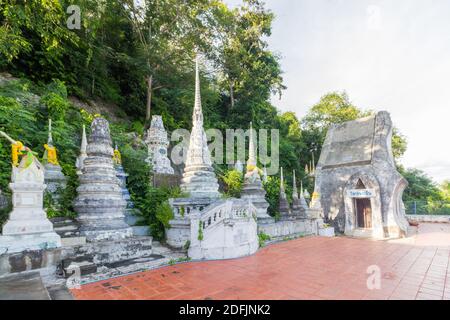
x=359 y=187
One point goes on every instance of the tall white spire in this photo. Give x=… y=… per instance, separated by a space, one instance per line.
x=199 y=179
x=294 y=186
x=197 y=116
x=50 y=137
x=281 y=180
x=251 y=162
x=83 y=141
x=83 y=152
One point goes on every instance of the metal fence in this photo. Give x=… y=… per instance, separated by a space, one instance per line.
x=427 y=207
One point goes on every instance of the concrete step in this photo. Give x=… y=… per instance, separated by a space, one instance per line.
x=23 y=286
x=66 y=227
x=59 y=292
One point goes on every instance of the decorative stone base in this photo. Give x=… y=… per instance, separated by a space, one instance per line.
x=179 y=233
x=45 y=261
x=108 y=234
x=286 y=228
x=102 y=252
x=326 y=232
x=227 y=240
x=38 y=241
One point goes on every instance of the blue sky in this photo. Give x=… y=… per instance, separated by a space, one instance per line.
x=391 y=55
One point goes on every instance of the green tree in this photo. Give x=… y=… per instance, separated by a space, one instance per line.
x=34 y=39
x=336 y=107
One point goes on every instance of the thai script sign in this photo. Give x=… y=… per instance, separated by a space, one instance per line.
x=361 y=193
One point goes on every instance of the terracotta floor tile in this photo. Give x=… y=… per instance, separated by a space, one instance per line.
x=305 y=268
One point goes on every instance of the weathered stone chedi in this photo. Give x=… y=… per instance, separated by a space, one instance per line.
x=28 y=227
x=100 y=204
x=252 y=189
x=357 y=182
x=158 y=142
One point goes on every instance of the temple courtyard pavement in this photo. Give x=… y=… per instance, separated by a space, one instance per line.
x=305 y=268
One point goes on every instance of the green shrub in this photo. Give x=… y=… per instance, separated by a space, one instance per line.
x=233 y=181
x=272 y=187
x=164 y=213
x=200 y=231
x=56 y=105
x=262 y=238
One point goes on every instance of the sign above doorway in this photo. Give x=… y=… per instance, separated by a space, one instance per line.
x=361 y=193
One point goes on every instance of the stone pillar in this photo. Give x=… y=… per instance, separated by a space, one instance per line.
x=99 y=204
x=28 y=227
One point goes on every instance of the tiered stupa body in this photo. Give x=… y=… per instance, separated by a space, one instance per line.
x=54 y=178
x=199 y=179
x=122 y=176
x=284 y=209
x=253 y=189
x=100 y=204
x=158 y=143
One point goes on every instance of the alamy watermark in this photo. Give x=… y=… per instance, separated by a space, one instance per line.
x=373 y=281
x=74 y=20
x=233 y=147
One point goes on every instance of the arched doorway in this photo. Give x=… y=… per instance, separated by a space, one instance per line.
x=363 y=217
x=363 y=209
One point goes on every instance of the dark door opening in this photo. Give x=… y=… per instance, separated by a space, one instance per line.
x=363 y=213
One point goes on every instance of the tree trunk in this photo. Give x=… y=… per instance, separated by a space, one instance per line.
x=149 y=99
x=232 y=94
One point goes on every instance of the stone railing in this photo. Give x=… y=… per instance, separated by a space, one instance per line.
x=185 y=207
x=215 y=213
x=242 y=209
x=226 y=210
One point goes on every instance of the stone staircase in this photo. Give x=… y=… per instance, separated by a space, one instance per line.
x=226 y=229
x=90 y=272
x=66 y=227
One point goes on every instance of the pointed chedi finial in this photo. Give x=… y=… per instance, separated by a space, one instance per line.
x=79 y=164
x=50 y=137
x=294 y=186
x=83 y=141
x=251 y=163
x=281 y=180
x=197 y=117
